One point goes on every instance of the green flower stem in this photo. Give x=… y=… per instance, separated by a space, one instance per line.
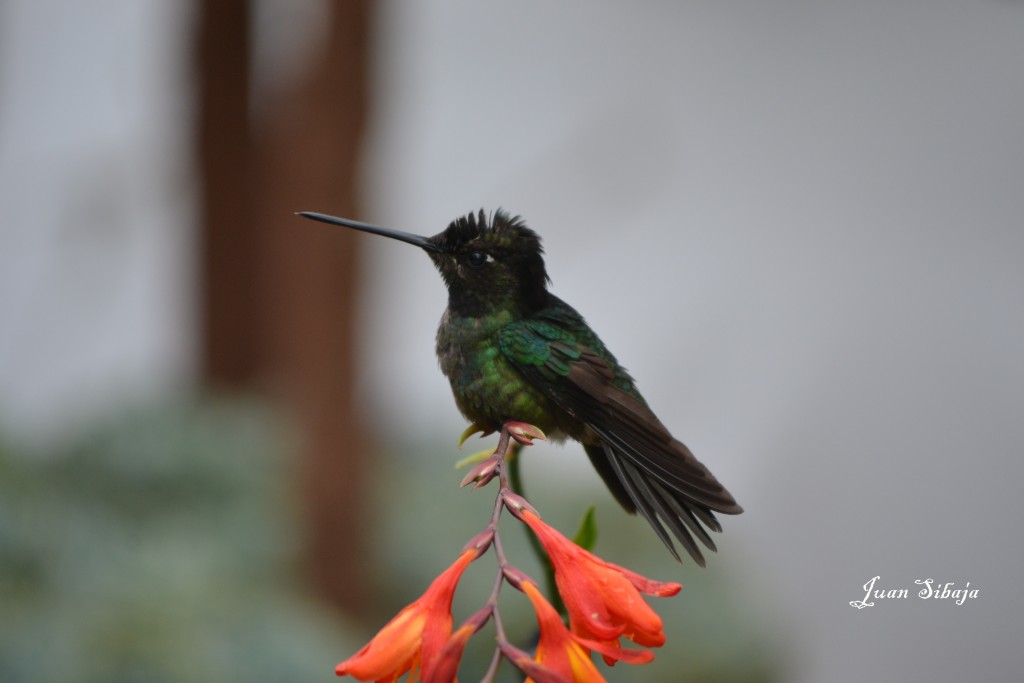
x=516 y=483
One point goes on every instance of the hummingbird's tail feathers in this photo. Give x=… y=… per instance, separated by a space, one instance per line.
x=657 y=508
x=610 y=475
x=659 y=504
x=671 y=464
x=683 y=512
x=641 y=501
x=707 y=517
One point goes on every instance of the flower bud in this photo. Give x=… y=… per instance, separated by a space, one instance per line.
x=480 y=543
x=524 y=433
x=532 y=668
x=516 y=577
x=516 y=504
x=482 y=473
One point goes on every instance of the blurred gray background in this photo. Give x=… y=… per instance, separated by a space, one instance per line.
x=799 y=225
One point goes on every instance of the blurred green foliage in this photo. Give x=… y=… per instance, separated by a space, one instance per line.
x=158 y=548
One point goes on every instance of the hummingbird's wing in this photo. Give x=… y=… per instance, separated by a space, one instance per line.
x=647 y=470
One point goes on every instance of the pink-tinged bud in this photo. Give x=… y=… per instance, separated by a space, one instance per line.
x=444 y=668
x=480 y=543
x=516 y=577
x=478 y=620
x=483 y=472
x=531 y=667
x=524 y=433
x=516 y=504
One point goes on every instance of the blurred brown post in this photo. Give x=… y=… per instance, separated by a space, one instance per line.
x=280 y=292
x=228 y=254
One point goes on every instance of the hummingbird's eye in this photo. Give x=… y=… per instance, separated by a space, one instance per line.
x=479 y=258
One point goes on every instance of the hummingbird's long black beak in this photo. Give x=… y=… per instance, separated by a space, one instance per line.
x=417 y=240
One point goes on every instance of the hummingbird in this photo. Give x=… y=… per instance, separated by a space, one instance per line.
x=512 y=350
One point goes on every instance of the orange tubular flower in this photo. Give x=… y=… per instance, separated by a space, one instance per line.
x=603 y=599
x=566 y=655
x=415 y=637
x=557 y=650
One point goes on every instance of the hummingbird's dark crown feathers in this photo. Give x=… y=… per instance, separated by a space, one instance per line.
x=486 y=259
x=498 y=231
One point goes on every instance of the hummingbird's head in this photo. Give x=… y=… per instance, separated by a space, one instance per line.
x=489 y=263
